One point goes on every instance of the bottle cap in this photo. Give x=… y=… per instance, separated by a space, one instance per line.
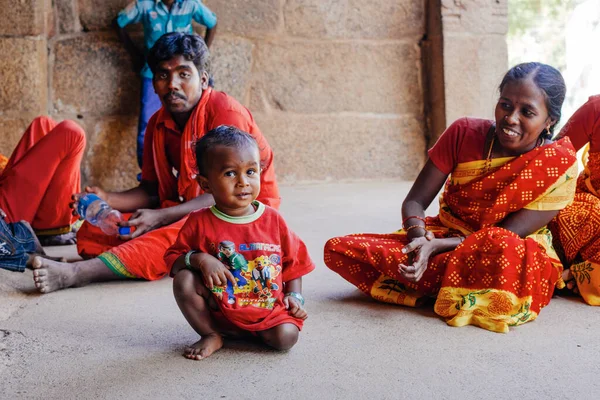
x=84 y=202
x=124 y=230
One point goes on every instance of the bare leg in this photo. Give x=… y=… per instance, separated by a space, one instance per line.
x=280 y=337
x=192 y=298
x=50 y=275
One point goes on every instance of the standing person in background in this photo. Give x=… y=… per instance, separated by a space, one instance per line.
x=158 y=17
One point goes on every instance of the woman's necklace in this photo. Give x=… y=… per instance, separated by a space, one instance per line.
x=488 y=160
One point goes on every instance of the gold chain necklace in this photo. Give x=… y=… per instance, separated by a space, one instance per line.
x=488 y=160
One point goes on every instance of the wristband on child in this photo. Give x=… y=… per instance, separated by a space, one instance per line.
x=187 y=259
x=297 y=296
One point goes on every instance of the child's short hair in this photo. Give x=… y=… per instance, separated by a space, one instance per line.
x=222 y=135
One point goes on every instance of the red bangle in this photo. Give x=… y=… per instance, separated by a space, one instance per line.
x=413 y=216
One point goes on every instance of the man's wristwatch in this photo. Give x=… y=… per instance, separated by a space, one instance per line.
x=297 y=296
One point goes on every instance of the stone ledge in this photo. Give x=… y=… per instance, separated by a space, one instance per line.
x=92 y=74
x=335 y=77
x=231 y=65
x=23 y=68
x=475 y=16
x=374 y=19
x=472 y=80
x=11 y=130
x=110 y=161
x=247 y=17
x=24 y=17
x=334 y=147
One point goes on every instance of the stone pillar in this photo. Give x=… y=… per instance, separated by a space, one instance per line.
x=23 y=67
x=475 y=56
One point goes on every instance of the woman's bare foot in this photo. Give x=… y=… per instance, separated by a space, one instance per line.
x=59 y=240
x=50 y=275
x=204 y=347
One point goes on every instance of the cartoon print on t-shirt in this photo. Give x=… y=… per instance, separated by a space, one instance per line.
x=255 y=278
x=236 y=263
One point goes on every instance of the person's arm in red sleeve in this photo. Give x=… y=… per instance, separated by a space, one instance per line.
x=584 y=126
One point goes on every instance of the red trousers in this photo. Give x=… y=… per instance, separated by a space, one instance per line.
x=42 y=174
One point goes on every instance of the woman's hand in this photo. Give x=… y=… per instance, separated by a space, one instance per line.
x=144 y=220
x=421 y=249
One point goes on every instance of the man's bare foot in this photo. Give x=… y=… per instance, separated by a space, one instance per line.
x=32 y=257
x=50 y=275
x=204 y=347
x=59 y=240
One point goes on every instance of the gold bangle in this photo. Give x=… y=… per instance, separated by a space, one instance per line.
x=414 y=227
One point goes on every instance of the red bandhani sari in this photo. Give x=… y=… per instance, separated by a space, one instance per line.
x=494 y=279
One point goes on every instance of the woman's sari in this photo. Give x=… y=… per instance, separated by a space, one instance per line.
x=494 y=279
x=576 y=232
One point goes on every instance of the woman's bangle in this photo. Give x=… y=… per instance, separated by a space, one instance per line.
x=415 y=227
x=296 y=295
x=412 y=216
x=461 y=238
x=187 y=259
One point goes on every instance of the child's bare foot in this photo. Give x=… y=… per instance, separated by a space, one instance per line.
x=204 y=347
x=50 y=275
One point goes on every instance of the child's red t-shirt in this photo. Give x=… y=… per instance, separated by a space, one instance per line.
x=267 y=254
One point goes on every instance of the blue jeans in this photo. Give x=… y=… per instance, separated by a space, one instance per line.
x=16 y=241
x=149 y=104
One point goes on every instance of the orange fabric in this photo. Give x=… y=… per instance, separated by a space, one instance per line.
x=494 y=279
x=44 y=170
x=138 y=258
x=143 y=257
x=3 y=162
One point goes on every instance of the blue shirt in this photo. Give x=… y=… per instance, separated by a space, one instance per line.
x=157 y=20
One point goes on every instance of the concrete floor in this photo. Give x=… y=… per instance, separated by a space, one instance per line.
x=124 y=339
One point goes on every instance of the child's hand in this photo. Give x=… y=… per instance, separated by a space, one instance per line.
x=295 y=307
x=215 y=273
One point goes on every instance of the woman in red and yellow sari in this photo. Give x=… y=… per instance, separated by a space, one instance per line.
x=576 y=229
x=487 y=257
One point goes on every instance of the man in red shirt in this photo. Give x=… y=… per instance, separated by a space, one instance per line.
x=168 y=191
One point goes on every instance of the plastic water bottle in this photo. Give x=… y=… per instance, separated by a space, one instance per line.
x=98 y=213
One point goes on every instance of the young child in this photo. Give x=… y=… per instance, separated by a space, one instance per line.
x=158 y=18
x=238 y=268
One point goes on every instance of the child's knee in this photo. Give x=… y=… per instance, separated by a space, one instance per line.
x=184 y=283
x=282 y=337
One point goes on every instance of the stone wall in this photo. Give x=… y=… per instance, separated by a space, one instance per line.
x=342 y=89
x=475 y=55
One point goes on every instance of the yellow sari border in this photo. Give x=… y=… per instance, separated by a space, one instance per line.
x=491 y=309
x=115 y=265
